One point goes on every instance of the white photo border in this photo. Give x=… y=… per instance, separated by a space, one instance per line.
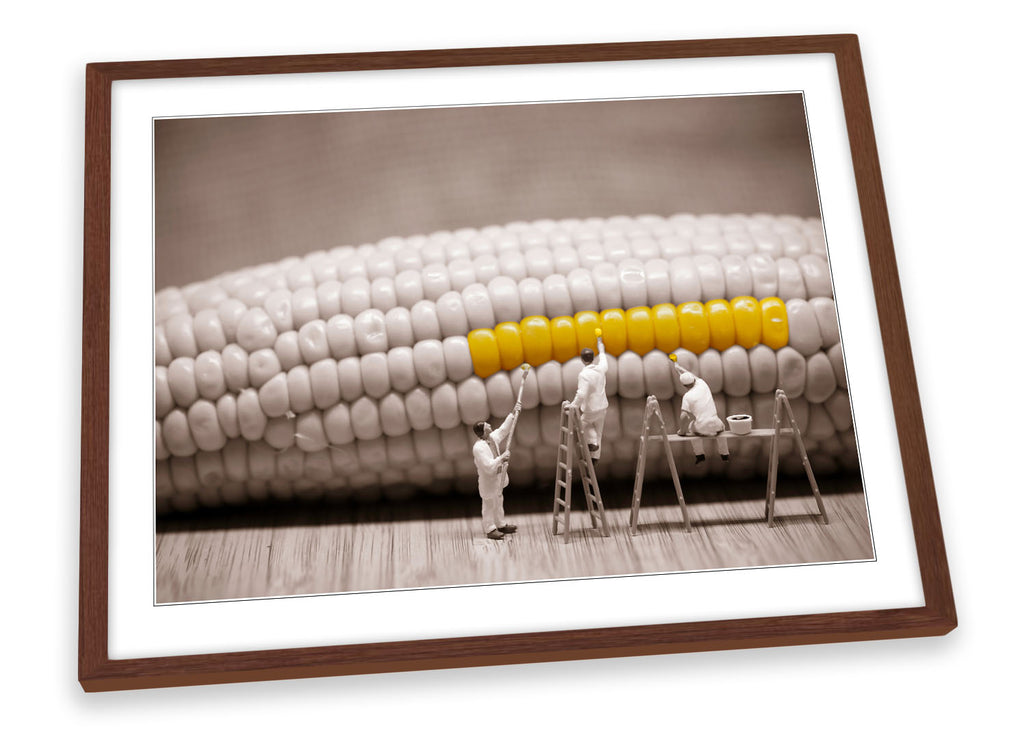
x=138 y=628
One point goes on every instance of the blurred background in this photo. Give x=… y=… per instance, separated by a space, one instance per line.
x=240 y=191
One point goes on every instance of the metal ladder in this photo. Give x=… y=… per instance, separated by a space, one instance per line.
x=572 y=447
x=652 y=412
x=782 y=403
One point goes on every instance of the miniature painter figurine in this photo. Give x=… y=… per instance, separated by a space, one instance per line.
x=591 y=399
x=698 y=414
x=492 y=470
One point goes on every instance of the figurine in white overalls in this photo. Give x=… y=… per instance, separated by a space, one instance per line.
x=698 y=414
x=591 y=399
x=492 y=471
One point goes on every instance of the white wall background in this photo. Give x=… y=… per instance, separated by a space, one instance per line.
x=943 y=87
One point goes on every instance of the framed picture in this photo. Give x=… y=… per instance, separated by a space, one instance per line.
x=447 y=358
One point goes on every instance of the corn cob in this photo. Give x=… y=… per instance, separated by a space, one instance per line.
x=361 y=369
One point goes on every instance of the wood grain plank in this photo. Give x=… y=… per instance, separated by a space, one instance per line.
x=354 y=555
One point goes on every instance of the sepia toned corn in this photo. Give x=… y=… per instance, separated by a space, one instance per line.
x=360 y=370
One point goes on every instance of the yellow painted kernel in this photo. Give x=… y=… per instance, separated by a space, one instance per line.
x=774 y=323
x=536 y=339
x=694 y=333
x=510 y=344
x=613 y=327
x=696 y=326
x=666 y=327
x=640 y=330
x=720 y=324
x=586 y=323
x=563 y=339
x=483 y=350
x=746 y=316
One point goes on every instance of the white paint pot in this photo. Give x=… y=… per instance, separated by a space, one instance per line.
x=739 y=424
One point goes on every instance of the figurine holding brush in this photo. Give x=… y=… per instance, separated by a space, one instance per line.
x=698 y=414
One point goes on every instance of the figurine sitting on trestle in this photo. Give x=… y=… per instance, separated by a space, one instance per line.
x=698 y=413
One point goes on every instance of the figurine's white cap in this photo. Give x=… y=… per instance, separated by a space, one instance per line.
x=686 y=378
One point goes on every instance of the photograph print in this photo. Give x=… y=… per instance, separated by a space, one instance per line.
x=453 y=346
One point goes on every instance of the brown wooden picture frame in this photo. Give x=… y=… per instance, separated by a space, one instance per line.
x=98 y=672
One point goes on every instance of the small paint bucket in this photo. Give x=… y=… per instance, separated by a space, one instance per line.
x=740 y=424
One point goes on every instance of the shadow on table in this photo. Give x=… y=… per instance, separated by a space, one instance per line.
x=290 y=513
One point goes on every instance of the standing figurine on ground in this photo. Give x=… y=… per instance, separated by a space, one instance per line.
x=492 y=470
x=698 y=414
x=590 y=397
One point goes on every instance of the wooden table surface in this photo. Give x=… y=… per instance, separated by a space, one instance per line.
x=315 y=549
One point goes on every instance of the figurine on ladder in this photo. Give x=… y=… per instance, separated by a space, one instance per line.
x=591 y=398
x=579 y=443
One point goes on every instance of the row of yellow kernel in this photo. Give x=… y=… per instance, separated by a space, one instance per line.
x=695 y=326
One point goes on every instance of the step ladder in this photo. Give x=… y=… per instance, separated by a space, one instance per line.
x=653 y=421
x=782 y=404
x=654 y=429
x=572 y=448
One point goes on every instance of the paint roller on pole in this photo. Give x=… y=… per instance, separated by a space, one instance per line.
x=519 y=401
